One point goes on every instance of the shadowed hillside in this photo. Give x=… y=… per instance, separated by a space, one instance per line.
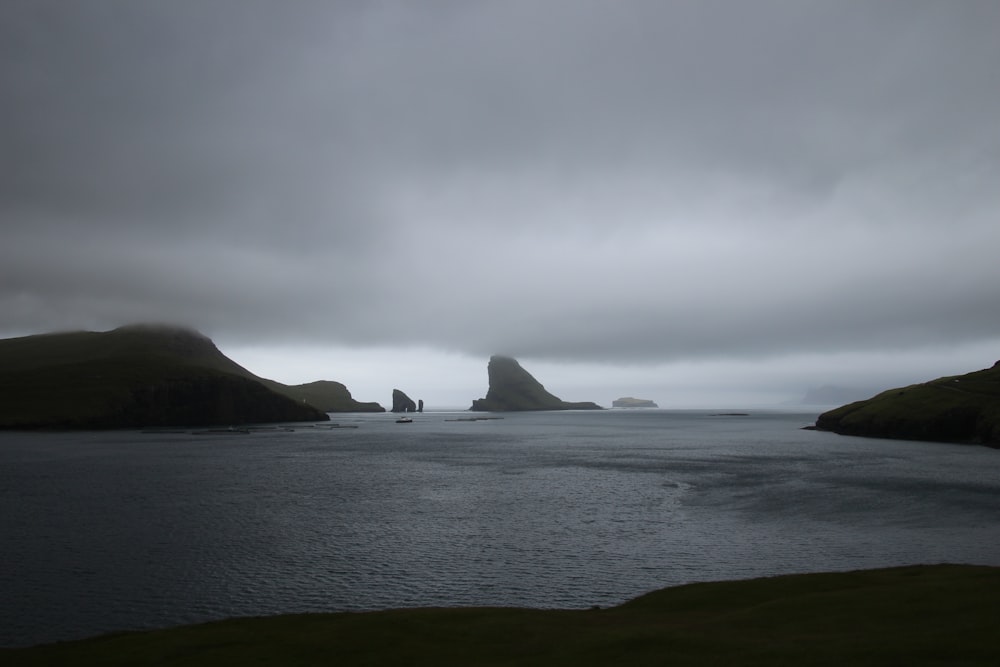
x=959 y=408
x=922 y=615
x=136 y=376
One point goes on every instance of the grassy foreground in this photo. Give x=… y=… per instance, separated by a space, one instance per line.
x=920 y=615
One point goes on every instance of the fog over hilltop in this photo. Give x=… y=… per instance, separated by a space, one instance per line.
x=696 y=202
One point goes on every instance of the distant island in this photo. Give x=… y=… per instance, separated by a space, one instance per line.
x=960 y=408
x=629 y=402
x=142 y=376
x=514 y=389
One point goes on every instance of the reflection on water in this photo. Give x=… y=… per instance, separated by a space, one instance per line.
x=120 y=530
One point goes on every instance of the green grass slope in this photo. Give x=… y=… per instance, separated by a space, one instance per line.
x=514 y=389
x=921 y=615
x=135 y=376
x=960 y=408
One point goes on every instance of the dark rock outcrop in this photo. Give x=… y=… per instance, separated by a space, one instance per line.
x=961 y=408
x=629 y=402
x=327 y=395
x=514 y=389
x=138 y=376
x=402 y=403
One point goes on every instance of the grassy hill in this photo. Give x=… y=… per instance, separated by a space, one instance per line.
x=137 y=376
x=921 y=615
x=959 y=408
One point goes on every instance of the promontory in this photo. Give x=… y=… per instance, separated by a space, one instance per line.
x=514 y=389
x=142 y=376
x=959 y=408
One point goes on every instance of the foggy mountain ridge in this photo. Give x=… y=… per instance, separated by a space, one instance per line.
x=146 y=376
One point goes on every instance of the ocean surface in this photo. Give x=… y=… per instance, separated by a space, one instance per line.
x=109 y=531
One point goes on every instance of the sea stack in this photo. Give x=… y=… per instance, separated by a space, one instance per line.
x=402 y=403
x=514 y=389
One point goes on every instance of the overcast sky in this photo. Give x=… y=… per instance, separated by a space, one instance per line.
x=698 y=202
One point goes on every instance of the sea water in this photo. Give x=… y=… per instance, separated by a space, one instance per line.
x=121 y=530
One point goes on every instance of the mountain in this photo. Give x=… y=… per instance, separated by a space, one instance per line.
x=514 y=389
x=960 y=408
x=136 y=376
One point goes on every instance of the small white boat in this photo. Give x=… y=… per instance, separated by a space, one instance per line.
x=404 y=420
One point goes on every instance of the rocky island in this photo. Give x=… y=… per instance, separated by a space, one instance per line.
x=403 y=403
x=960 y=408
x=629 y=402
x=142 y=376
x=514 y=389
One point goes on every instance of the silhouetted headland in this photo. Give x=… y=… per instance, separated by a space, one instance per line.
x=514 y=389
x=145 y=375
x=959 y=408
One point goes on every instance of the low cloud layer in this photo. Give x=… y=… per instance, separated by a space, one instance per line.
x=617 y=184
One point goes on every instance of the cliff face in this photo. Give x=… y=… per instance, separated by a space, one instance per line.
x=135 y=376
x=402 y=403
x=197 y=399
x=961 y=408
x=512 y=389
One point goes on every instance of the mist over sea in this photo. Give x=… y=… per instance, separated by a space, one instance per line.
x=111 y=531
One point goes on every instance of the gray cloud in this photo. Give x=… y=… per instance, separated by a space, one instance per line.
x=598 y=182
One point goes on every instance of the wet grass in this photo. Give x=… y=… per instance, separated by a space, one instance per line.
x=921 y=615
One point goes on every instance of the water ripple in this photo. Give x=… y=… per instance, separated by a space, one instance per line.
x=118 y=531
